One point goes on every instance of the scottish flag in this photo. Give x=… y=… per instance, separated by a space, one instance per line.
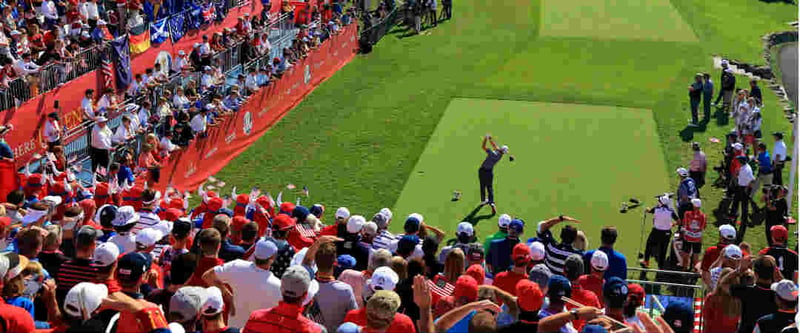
x=176 y=27
x=159 y=32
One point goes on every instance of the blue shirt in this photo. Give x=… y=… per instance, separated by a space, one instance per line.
x=462 y=325
x=764 y=162
x=228 y=251
x=499 y=255
x=687 y=189
x=492 y=157
x=708 y=89
x=617 y=265
x=125 y=173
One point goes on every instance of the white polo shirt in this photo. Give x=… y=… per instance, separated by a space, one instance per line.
x=662 y=218
x=779 y=149
x=253 y=288
x=745 y=176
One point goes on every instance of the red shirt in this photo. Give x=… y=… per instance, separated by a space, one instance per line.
x=714 y=320
x=400 y=324
x=594 y=284
x=284 y=318
x=711 y=255
x=203 y=265
x=507 y=281
x=330 y=230
x=694 y=222
x=129 y=322
x=584 y=297
x=16 y=318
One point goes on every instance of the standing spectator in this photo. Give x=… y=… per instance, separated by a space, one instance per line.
x=720 y=309
x=573 y=269
x=687 y=190
x=351 y=243
x=209 y=241
x=615 y=294
x=50 y=256
x=357 y=279
x=507 y=280
x=81 y=268
x=727 y=83
x=124 y=132
x=252 y=284
x=598 y=264
x=52 y=131
x=664 y=218
x=741 y=198
x=557 y=287
x=708 y=92
x=694 y=222
x=465 y=235
x=758 y=299
x=698 y=165
x=124 y=222
x=130 y=273
x=636 y=299
x=287 y=316
x=785 y=258
x=502 y=225
x=339 y=227
x=227 y=251
x=500 y=251
x=529 y=301
x=6 y=154
x=730 y=258
x=211 y=312
x=755 y=91
x=101 y=143
x=777 y=209
x=280 y=231
x=180 y=270
x=764 y=168
x=411 y=227
x=679 y=317
x=334 y=298
x=727 y=236
x=556 y=253
x=779 y=158
x=447 y=10
x=432 y=18
x=786 y=299
x=184 y=307
x=383 y=280
x=695 y=93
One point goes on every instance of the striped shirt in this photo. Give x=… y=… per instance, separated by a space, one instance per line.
x=149 y=219
x=555 y=253
x=73 y=272
x=382 y=240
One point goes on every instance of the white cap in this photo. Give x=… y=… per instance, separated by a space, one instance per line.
x=599 y=261
x=683 y=172
x=342 y=213
x=504 y=149
x=85 y=34
x=265 y=249
x=370 y=228
x=727 y=231
x=148 y=237
x=728 y=70
x=213 y=303
x=101 y=22
x=101 y=119
x=106 y=254
x=313 y=289
x=417 y=216
x=724 y=62
x=125 y=215
x=15 y=32
x=504 y=221
x=387 y=212
x=465 y=227
x=176 y=328
x=697 y=203
x=664 y=200
x=355 y=223
x=53 y=199
x=737 y=146
x=537 y=251
x=84 y=298
x=786 y=290
x=181 y=52
x=383 y=278
x=732 y=252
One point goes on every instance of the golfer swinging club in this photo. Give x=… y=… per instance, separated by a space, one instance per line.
x=486 y=173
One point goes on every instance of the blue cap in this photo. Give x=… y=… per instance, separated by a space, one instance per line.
x=411 y=225
x=558 y=286
x=346 y=261
x=300 y=213
x=132 y=266
x=407 y=243
x=317 y=210
x=348 y=328
x=679 y=316
x=226 y=211
x=615 y=292
x=594 y=329
x=517 y=225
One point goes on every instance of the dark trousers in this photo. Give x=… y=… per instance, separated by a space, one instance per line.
x=486 y=178
x=777 y=174
x=699 y=178
x=657 y=245
x=694 y=104
x=683 y=208
x=432 y=17
x=51 y=145
x=740 y=199
x=99 y=158
x=447 y=11
x=706 y=106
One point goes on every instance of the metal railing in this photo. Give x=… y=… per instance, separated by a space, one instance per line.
x=373 y=33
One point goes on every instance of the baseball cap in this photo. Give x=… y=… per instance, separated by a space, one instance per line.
x=295 y=281
x=786 y=290
x=383 y=305
x=573 y=266
x=345 y=261
x=386 y=212
x=348 y=327
x=732 y=252
x=697 y=203
x=182 y=227
x=664 y=200
x=517 y=225
x=88 y=234
x=300 y=213
x=342 y=213
x=106 y=254
x=172 y=214
x=84 y=298
x=213 y=303
x=615 y=292
x=381 y=220
x=682 y=172
x=411 y=224
x=778 y=233
x=679 y=316
x=282 y=222
x=465 y=228
x=529 y=296
x=355 y=223
x=599 y=261
x=503 y=221
x=737 y=146
x=636 y=291
x=383 y=278
x=131 y=266
x=407 y=243
x=105 y=215
x=125 y=215
x=370 y=228
x=475 y=252
x=504 y=149
x=176 y=328
x=187 y=302
x=540 y=275
x=265 y=249
x=477 y=272
x=558 y=286
x=317 y=210
x=537 y=251
x=778 y=134
x=287 y=207
x=466 y=287
x=727 y=231
x=521 y=253
x=417 y=216
x=147 y=238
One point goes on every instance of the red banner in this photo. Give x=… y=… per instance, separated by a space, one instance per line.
x=189 y=168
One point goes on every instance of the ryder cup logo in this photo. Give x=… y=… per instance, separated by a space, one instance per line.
x=307 y=75
x=248 y=123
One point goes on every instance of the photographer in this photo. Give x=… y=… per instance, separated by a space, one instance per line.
x=776 y=208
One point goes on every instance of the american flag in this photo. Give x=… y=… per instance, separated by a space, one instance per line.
x=307 y=232
x=106 y=71
x=440 y=287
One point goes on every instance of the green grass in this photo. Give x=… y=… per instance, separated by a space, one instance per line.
x=563 y=156
x=615 y=19
x=356 y=140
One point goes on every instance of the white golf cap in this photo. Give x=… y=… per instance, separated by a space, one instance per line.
x=727 y=231
x=106 y=254
x=125 y=215
x=84 y=298
x=417 y=216
x=265 y=249
x=148 y=237
x=599 y=261
x=664 y=200
x=732 y=252
x=697 y=203
x=387 y=212
x=213 y=303
x=342 y=213
x=53 y=200
x=683 y=172
x=101 y=119
x=724 y=62
x=384 y=278
x=370 y=228
x=355 y=223
x=738 y=146
x=537 y=251
x=465 y=227
x=504 y=149
x=504 y=221
x=786 y=290
x=176 y=328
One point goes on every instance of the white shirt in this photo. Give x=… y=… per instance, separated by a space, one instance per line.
x=251 y=82
x=662 y=218
x=126 y=243
x=101 y=138
x=49 y=10
x=178 y=64
x=779 y=149
x=89 y=10
x=180 y=101
x=206 y=81
x=24 y=68
x=745 y=176
x=121 y=135
x=205 y=49
x=164 y=111
x=198 y=123
x=167 y=145
x=51 y=131
x=88 y=108
x=253 y=288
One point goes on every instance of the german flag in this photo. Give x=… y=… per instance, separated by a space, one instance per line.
x=139 y=39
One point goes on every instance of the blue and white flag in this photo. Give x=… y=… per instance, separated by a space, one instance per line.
x=193 y=17
x=176 y=27
x=122 y=65
x=159 y=32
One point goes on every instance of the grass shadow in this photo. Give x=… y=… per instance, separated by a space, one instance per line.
x=721 y=117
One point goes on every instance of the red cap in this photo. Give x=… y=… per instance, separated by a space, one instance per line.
x=529 y=296
x=521 y=252
x=243 y=199
x=215 y=204
x=5 y=221
x=173 y=214
x=176 y=203
x=476 y=272
x=778 y=233
x=264 y=202
x=282 y=222
x=287 y=207
x=467 y=287
x=636 y=291
x=238 y=222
